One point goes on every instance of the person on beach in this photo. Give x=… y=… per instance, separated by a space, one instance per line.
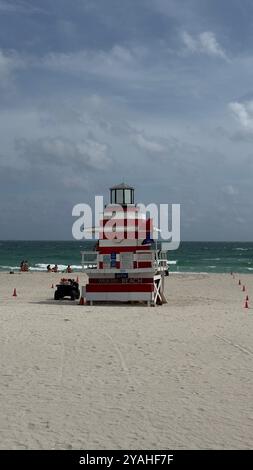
x=69 y=270
x=24 y=266
x=49 y=269
x=55 y=268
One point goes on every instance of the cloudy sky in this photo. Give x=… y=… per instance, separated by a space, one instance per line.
x=158 y=93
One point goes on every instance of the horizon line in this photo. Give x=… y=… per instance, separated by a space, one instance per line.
x=82 y=241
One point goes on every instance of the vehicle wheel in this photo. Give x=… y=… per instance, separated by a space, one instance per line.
x=73 y=295
x=56 y=295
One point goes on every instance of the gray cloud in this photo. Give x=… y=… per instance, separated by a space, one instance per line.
x=60 y=151
x=9 y=63
x=96 y=92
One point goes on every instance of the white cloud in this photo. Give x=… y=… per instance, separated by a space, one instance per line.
x=205 y=43
x=210 y=45
x=189 y=42
x=147 y=144
x=243 y=113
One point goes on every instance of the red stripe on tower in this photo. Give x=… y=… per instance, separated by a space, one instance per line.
x=120 y=287
x=107 y=250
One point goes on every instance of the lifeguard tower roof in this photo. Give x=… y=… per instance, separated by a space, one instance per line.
x=122 y=194
x=122 y=186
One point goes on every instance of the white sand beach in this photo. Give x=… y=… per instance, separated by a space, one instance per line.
x=178 y=376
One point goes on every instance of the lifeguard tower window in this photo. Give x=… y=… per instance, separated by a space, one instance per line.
x=122 y=194
x=128 y=198
x=113 y=196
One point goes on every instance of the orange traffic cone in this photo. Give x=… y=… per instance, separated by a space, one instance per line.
x=246 y=305
x=243 y=288
x=81 y=301
x=14 y=293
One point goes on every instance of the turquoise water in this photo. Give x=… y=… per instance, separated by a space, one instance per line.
x=213 y=257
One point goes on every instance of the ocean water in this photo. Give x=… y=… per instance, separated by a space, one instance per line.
x=195 y=257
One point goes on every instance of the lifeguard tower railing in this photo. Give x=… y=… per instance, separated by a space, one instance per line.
x=161 y=261
x=89 y=260
x=140 y=259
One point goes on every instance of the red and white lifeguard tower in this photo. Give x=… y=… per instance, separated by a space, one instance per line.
x=127 y=262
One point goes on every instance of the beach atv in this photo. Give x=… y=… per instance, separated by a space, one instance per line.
x=67 y=288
